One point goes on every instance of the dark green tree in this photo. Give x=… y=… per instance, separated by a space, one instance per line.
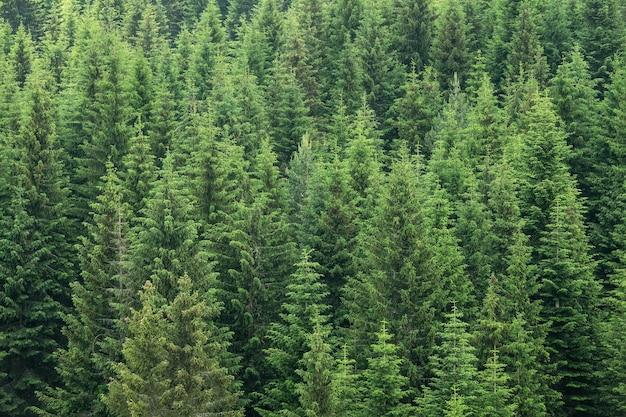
x=36 y=265
x=601 y=35
x=209 y=42
x=450 y=54
x=382 y=72
x=415 y=111
x=167 y=244
x=92 y=329
x=303 y=310
x=413 y=31
x=288 y=114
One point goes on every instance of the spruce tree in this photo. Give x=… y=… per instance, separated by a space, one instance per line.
x=602 y=34
x=175 y=359
x=573 y=93
x=167 y=243
x=413 y=31
x=36 y=265
x=386 y=389
x=450 y=53
x=288 y=113
x=93 y=328
x=303 y=310
x=209 y=36
x=317 y=389
x=415 y=111
x=382 y=72
x=454 y=368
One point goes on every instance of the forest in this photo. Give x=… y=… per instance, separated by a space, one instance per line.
x=313 y=208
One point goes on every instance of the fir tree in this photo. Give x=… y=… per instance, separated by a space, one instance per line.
x=304 y=309
x=454 y=370
x=450 y=53
x=175 y=359
x=386 y=389
x=93 y=330
x=36 y=264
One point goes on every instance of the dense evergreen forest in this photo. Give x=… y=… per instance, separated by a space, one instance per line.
x=313 y=208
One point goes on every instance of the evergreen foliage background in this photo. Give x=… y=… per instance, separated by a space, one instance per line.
x=313 y=208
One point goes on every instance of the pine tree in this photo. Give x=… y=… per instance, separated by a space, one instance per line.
x=21 y=55
x=413 y=31
x=36 y=262
x=175 y=359
x=401 y=272
x=386 y=389
x=304 y=309
x=92 y=330
x=450 y=53
x=568 y=288
x=454 y=370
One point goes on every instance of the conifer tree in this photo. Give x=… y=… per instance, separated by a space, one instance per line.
x=382 y=72
x=209 y=37
x=568 y=288
x=22 y=55
x=347 y=392
x=495 y=395
x=386 y=389
x=175 y=359
x=570 y=294
x=36 y=265
x=450 y=53
x=167 y=243
x=526 y=53
x=330 y=227
x=573 y=93
x=92 y=329
x=399 y=273
x=317 y=389
x=415 y=111
x=363 y=158
x=609 y=205
x=454 y=370
x=288 y=114
x=413 y=31
x=139 y=171
x=255 y=253
x=601 y=35
x=306 y=51
x=303 y=310
x=99 y=118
